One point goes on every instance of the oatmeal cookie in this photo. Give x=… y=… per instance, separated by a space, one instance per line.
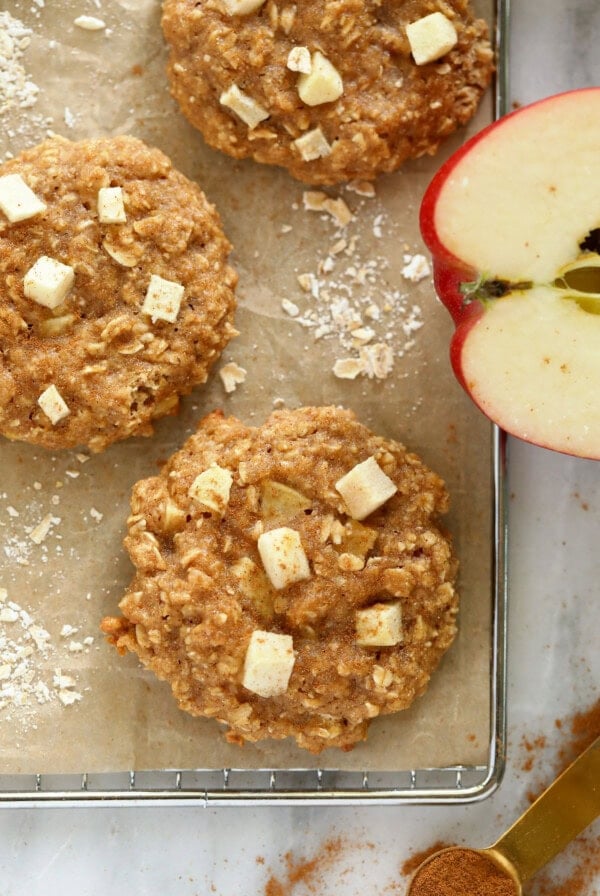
x=115 y=293
x=292 y=579
x=328 y=89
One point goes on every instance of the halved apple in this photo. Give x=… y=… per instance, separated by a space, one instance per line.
x=513 y=224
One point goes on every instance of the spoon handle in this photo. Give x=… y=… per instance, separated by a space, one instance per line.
x=568 y=806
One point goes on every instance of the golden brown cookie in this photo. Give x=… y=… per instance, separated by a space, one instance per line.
x=115 y=293
x=328 y=89
x=292 y=579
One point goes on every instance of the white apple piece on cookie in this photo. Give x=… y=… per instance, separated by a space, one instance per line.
x=283 y=557
x=111 y=205
x=48 y=281
x=268 y=664
x=53 y=405
x=163 y=299
x=212 y=488
x=365 y=488
x=379 y=625
x=18 y=202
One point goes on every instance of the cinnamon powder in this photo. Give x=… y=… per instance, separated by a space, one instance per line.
x=578 y=732
x=462 y=872
x=584 y=853
x=306 y=874
x=417 y=858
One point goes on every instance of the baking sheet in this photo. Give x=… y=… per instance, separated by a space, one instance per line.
x=112 y=81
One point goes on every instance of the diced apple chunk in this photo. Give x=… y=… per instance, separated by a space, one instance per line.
x=254 y=585
x=323 y=84
x=212 y=488
x=17 y=200
x=312 y=145
x=280 y=502
x=173 y=517
x=365 y=488
x=268 y=664
x=283 y=557
x=48 y=281
x=358 y=539
x=431 y=37
x=53 y=405
x=245 y=107
x=111 y=206
x=242 y=7
x=163 y=299
x=379 y=625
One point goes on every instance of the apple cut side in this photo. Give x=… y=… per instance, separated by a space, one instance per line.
x=513 y=224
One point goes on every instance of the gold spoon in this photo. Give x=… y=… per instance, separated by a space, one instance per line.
x=568 y=806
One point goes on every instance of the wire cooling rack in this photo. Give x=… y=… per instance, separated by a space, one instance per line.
x=229 y=786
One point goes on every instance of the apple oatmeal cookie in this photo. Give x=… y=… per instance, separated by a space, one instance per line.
x=332 y=90
x=115 y=297
x=292 y=579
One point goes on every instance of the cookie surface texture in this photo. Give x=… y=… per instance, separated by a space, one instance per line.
x=328 y=89
x=115 y=293
x=264 y=603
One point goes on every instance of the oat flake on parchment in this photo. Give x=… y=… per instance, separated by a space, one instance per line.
x=26 y=652
x=346 y=296
x=20 y=123
x=16 y=87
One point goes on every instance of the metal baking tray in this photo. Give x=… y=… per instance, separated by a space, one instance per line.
x=230 y=786
x=302 y=786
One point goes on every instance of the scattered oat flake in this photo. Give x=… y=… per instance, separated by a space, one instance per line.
x=89 y=23
x=290 y=308
x=69 y=118
x=39 y=532
x=232 y=375
x=416 y=267
x=68 y=698
x=63 y=681
x=378 y=360
x=16 y=88
x=96 y=515
x=362 y=188
x=7 y=614
x=348 y=368
x=308 y=283
x=362 y=335
x=317 y=201
x=25 y=651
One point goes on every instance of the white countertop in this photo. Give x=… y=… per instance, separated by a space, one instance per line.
x=554 y=567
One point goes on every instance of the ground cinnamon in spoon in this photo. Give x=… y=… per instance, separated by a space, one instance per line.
x=461 y=872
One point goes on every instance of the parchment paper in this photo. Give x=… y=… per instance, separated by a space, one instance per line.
x=111 y=82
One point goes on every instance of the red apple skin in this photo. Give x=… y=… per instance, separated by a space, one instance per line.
x=449 y=272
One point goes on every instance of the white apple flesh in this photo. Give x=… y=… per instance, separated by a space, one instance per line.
x=512 y=212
